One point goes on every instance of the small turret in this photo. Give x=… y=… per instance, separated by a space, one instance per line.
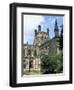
x=48 y=31
x=39 y=28
x=56 y=29
x=35 y=32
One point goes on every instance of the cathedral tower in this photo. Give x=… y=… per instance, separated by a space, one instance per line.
x=40 y=36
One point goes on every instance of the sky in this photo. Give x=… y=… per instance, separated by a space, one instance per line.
x=31 y=23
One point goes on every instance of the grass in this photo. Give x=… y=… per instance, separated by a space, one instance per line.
x=32 y=72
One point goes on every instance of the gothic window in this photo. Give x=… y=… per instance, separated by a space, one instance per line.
x=29 y=52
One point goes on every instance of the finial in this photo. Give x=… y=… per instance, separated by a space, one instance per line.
x=39 y=28
x=35 y=32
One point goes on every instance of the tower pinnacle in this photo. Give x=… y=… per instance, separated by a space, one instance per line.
x=56 y=29
x=39 y=28
x=35 y=32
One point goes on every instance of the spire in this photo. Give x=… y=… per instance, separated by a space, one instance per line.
x=56 y=29
x=48 y=31
x=39 y=28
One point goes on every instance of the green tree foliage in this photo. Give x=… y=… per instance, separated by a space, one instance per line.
x=52 y=63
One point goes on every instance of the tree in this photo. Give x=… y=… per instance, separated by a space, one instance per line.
x=52 y=63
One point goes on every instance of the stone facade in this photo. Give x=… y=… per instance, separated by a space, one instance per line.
x=42 y=45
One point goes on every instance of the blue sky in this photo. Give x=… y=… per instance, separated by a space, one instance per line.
x=31 y=23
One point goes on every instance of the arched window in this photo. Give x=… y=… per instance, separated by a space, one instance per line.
x=29 y=52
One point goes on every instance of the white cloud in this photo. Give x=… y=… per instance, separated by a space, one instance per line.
x=31 y=23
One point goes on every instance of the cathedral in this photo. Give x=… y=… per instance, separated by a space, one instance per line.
x=42 y=44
